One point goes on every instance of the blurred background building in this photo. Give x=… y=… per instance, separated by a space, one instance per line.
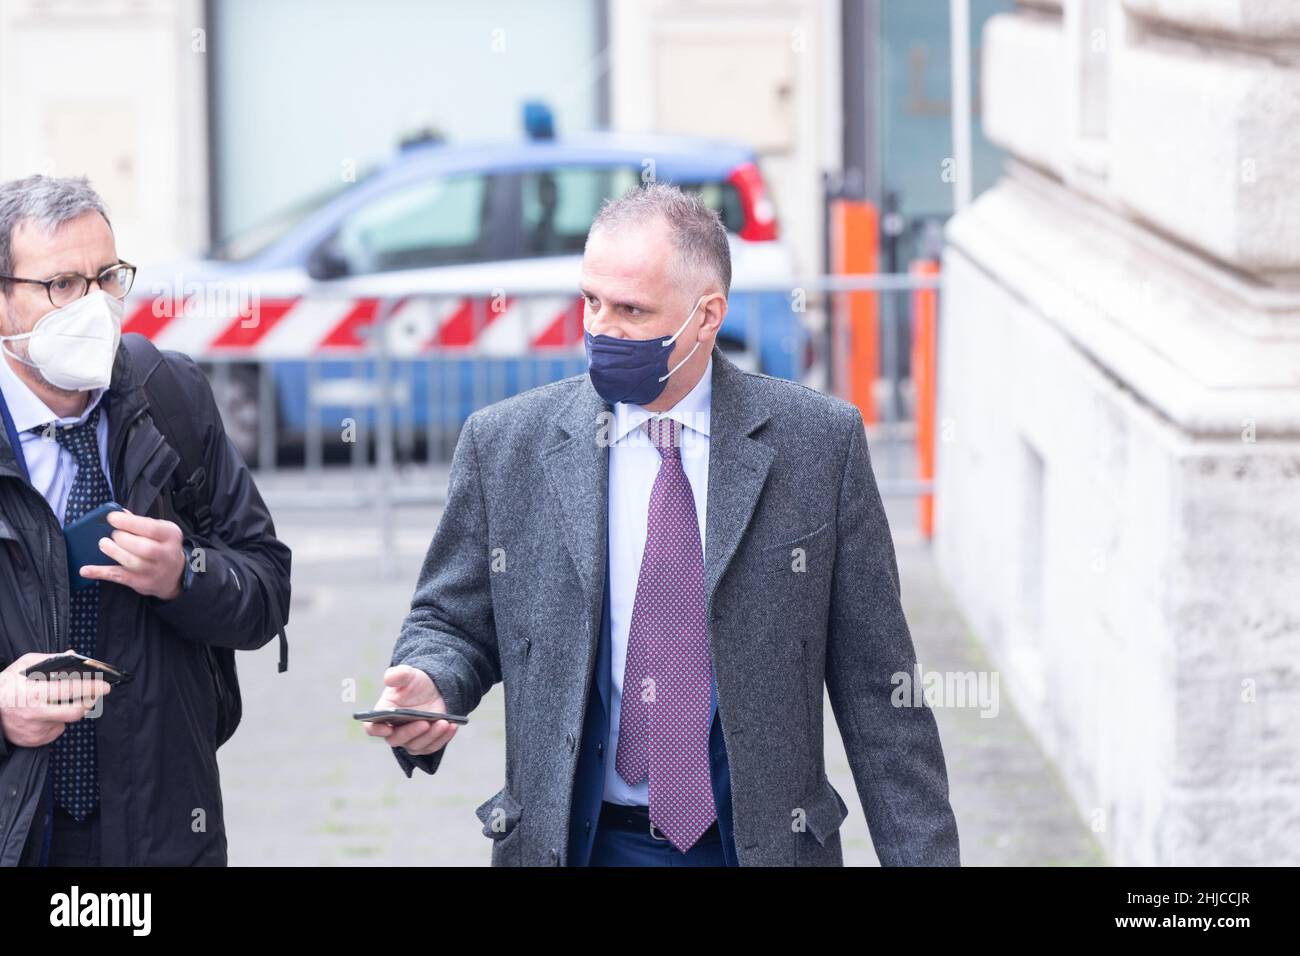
x=1119 y=488
x=198 y=120
x=216 y=129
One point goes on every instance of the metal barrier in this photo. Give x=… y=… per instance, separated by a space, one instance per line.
x=427 y=376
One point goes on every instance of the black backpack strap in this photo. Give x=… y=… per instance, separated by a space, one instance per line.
x=170 y=412
x=191 y=496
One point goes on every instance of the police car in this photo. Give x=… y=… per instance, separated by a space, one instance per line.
x=479 y=248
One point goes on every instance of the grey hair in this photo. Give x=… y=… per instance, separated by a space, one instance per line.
x=47 y=201
x=698 y=234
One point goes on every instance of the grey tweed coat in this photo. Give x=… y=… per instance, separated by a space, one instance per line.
x=802 y=589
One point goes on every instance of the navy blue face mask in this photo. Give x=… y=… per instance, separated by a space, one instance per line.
x=633 y=370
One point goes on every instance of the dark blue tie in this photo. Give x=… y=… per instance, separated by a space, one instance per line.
x=76 y=782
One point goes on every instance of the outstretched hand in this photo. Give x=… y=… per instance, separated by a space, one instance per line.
x=410 y=687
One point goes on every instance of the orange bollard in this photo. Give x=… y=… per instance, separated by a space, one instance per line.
x=855 y=250
x=924 y=344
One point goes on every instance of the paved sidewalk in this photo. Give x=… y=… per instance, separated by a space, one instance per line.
x=1011 y=807
x=303 y=784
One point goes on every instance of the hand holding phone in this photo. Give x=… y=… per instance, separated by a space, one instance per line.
x=410 y=688
x=34 y=711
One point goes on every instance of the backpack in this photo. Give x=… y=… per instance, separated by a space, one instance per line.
x=191 y=500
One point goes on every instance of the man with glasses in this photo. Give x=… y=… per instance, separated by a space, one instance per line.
x=93 y=775
x=115 y=279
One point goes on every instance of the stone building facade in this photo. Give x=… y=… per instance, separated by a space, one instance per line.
x=1118 y=508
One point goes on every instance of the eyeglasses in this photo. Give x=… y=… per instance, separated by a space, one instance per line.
x=70 y=286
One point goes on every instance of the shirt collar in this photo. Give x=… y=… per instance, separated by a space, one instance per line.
x=692 y=409
x=27 y=410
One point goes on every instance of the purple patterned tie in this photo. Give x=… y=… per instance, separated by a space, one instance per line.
x=663 y=724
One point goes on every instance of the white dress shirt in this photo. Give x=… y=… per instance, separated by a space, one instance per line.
x=51 y=466
x=633 y=466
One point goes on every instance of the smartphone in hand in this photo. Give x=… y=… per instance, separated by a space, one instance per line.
x=404 y=715
x=74 y=663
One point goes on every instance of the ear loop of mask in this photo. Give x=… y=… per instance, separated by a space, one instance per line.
x=6 y=339
x=668 y=344
x=4 y=346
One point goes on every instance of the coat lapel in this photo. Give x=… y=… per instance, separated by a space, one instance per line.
x=576 y=462
x=738 y=467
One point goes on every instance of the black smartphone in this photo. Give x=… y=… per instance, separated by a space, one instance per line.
x=404 y=715
x=73 y=663
x=82 y=537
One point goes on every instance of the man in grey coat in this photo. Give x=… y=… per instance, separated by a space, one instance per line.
x=664 y=561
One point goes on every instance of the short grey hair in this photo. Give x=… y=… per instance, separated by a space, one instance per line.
x=697 y=231
x=47 y=201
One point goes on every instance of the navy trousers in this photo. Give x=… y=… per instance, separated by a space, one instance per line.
x=615 y=847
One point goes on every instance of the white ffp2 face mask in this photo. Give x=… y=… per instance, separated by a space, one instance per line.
x=74 y=346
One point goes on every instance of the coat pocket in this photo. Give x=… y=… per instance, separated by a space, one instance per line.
x=806 y=553
x=499 y=814
x=825 y=811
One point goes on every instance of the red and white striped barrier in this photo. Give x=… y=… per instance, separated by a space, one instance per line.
x=299 y=327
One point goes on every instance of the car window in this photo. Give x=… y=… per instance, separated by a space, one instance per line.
x=257 y=238
x=558 y=205
x=439 y=222
x=723 y=198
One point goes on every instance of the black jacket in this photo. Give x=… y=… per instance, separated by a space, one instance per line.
x=160 y=795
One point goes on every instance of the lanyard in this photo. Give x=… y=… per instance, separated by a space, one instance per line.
x=12 y=432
